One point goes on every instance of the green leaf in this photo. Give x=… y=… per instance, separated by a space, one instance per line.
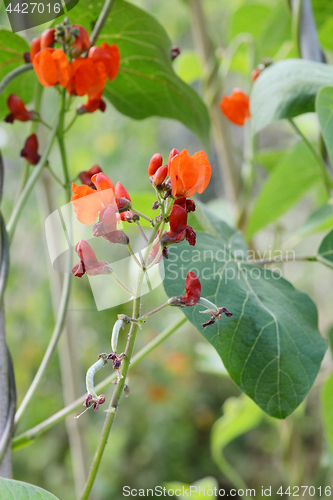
x=287 y=89
x=324 y=108
x=269 y=158
x=320 y=220
x=146 y=84
x=240 y=415
x=325 y=251
x=271 y=345
x=17 y=490
x=327 y=410
x=288 y=182
x=12 y=48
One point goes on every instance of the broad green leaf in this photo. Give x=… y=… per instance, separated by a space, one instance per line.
x=196 y=490
x=327 y=410
x=17 y=490
x=320 y=220
x=271 y=345
x=277 y=31
x=288 y=182
x=287 y=89
x=324 y=108
x=12 y=48
x=322 y=10
x=240 y=415
x=146 y=84
x=325 y=251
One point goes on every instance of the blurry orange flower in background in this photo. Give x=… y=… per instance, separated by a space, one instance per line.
x=189 y=174
x=236 y=107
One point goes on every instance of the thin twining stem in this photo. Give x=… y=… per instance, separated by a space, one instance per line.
x=121 y=382
x=134 y=256
x=50 y=348
x=141 y=231
x=30 y=435
x=18 y=208
x=140 y=214
x=115 y=277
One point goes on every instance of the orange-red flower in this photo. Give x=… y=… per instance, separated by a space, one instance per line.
x=88 y=261
x=236 y=107
x=89 y=202
x=89 y=75
x=52 y=67
x=91 y=106
x=29 y=152
x=85 y=177
x=18 y=110
x=189 y=174
x=193 y=290
x=179 y=230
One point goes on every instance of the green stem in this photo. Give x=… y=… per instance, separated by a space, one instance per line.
x=133 y=255
x=120 y=385
x=55 y=177
x=163 y=306
x=14 y=74
x=50 y=348
x=143 y=215
x=296 y=19
x=101 y=20
x=61 y=142
x=71 y=123
x=30 y=435
x=18 y=208
x=33 y=130
x=321 y=164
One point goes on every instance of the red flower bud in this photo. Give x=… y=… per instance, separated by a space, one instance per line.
x=154 y=164
x=121 y=192
x=236 y=107
x=160 y=175
x=193 y=290
x=82 y=41
x=255 y=73
x=85 y=177
x=29 y=152
x=34 y=48
x=107 y=226
x=47 y=38
x=174 y=152
x=18 y=110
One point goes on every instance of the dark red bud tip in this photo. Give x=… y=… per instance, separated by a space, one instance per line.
x=88 y=400
x=165 y=253
x=211 y=321
x=79 y=270
x=123 y=204
x=101 y=399
x=155 y=163
x=160 y=175
x=175 y=51
x=26 y=57
x=225 y=311
x=155 y=205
